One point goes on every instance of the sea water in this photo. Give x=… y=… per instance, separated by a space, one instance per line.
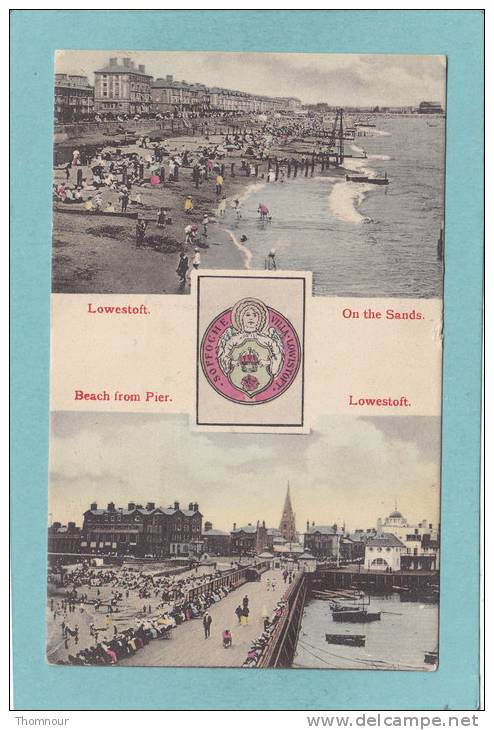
x=358 y=239
x=406 y=631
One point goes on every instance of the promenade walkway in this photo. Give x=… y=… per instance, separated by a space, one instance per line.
x=189 y=648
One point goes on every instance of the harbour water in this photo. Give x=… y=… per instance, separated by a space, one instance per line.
x=398 y=641
x=359 y=239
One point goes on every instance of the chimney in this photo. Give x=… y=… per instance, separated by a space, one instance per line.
x=131 y=506
x=234 y=525
x=263 y=523
x=142 y=68
x=313 y=523
x=111 y=507
x=307 y=525
x=113 y=62
x=93 y=507
x=150 y=506
x=196 y=507
x=191 y=506
x=127 y=62
x=208 y=526
x=169 y=78
x=176 y=505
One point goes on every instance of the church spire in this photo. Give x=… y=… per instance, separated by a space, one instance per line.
x=287 y=523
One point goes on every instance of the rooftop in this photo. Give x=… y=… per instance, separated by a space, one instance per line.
x=215 y=533
x=127 y=66
x=322 y=530
x=387 y=539
x=251 y=529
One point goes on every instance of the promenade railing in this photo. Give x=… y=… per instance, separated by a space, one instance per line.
x=280 y=649
x=231 y=579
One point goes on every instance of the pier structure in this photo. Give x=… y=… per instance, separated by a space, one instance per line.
x=280 y=650
x=187 y=646
x=374 y=581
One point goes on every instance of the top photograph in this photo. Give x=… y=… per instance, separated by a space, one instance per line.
x=169 y=162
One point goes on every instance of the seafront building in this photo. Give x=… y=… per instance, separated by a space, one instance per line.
x=64 y=538
x=430 y=107
x=249 y=540
x=384 y=552
x=122 y=88
x=175 y=531
x=73 y=98
x=215 y=542
x=421 y=541
x=142 y=531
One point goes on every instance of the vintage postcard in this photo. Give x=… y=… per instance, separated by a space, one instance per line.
x=246 y=344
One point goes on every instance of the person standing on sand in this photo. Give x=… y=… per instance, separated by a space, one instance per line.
x=161 y=218
x=205 y=223
x=270 y=261
x=237 y=208
x=263 y=211
x=188 y=204
x=183 y=267
x=196 y=259
x=124 y=200
x=221 y=207
x=219 y=184
x=140 y=231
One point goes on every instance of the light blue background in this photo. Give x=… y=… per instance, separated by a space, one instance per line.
x=35 y=36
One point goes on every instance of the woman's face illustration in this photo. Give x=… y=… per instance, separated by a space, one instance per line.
x=250 y=319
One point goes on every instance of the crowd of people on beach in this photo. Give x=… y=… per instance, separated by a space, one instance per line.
x=117 y=179
x=108 y=591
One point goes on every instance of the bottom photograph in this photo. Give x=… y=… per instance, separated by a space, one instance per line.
x=168 y=547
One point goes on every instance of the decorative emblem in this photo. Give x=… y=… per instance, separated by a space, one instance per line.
x=250 y=353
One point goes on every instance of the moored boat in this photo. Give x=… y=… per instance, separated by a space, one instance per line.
x=378 y=180
x=357 y=178
x=346 y=639
x=357 y=616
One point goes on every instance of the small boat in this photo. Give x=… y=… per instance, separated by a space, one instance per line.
x=357 y=616
x=338 y=607
x=378 y=180
x=357 y=178
x=431 y=657
x=346 y=639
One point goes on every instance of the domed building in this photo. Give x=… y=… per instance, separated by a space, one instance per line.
x=421 y=541
x=394 y=520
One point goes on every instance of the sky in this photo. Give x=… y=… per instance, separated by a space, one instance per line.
x=348 y=470
x=338 y=79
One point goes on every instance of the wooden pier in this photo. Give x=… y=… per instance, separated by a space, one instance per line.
x=374 y=581
x=280 y=650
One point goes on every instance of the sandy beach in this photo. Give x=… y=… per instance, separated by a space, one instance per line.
x=95 y=252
